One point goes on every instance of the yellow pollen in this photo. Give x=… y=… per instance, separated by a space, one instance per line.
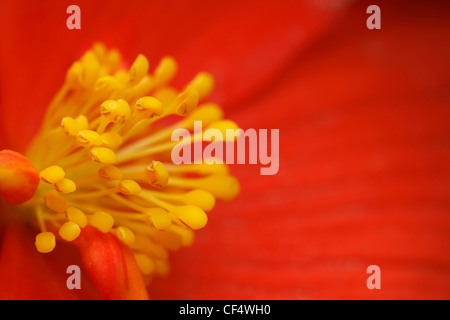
x=191 y=215
x=102 y=221
x=159 y=218
x=139 y=69
x=65 y=186
x=55 y=202
x=109 y=172
x=157 y=174
x=186 y=101
x=103 y=155
x=52 y=174
x=111 y=139
x=129 y=187
x=104 y=158
x=88 y=138
x=77 y=216
x=45 y=242
x=69 y=231
x=125 y=235
x=150 y=106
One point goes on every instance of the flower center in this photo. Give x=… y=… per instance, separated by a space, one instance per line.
x=103 y=155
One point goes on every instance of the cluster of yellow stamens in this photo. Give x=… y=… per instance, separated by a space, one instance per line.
x=104 y=158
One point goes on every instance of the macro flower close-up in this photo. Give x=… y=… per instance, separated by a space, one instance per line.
x=348 y=168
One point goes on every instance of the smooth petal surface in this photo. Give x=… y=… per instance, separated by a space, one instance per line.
x=111 y=265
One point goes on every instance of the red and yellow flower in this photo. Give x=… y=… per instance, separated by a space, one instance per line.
x=363 y=121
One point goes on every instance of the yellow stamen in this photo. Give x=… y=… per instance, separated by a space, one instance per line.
x=103 y=154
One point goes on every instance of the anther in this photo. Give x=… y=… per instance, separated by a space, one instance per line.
x=113 y=59
x=200 y=198
x=129 y=187
x=102 y=221
x=45 y=242
x=71 y=126
x=55 y=202
x=91 y=67
x=204 y=83
x=107 y=84
x=125 y=235
x=223 y=126
x=207 y=113
x=158 y=218
x=99 y=49
x=186 y=101
x=69 y=231
x=111 y=140
x=52 y=174
x=191 y=215
x=139 y=69
x=115 y=111
x=65 y=186
x=103 y=155
x=88 y=139
x=223 y=187
x=149 y=107
x=186 y=234
x=74 y=76
x=109 y=172
x=165 y=71
x=77 y=216
x=157 y=174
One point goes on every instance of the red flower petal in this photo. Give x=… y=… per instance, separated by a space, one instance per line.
x=28 y=274
x=364 y=175
x=110 y=265
x=244 y=46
